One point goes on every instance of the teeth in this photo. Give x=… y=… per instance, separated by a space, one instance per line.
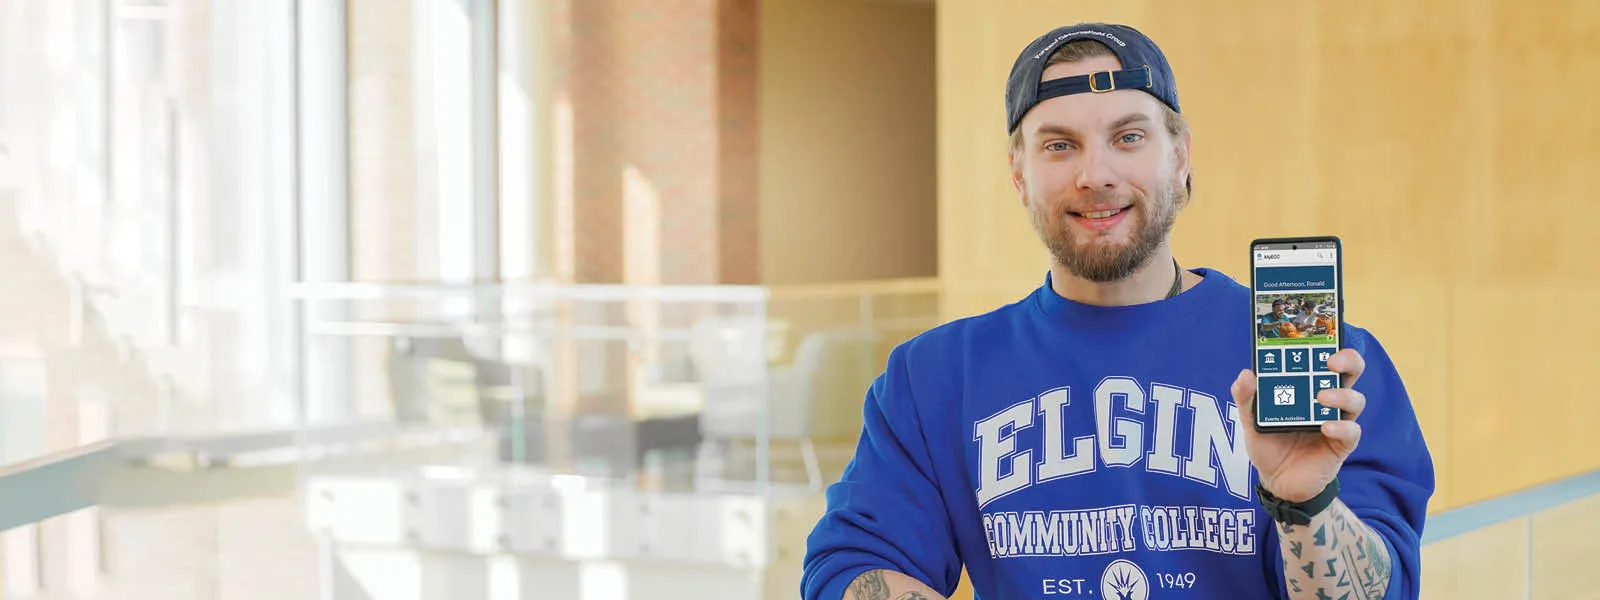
x=1102 y=213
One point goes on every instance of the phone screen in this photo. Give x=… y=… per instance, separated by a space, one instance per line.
x=1296 y=307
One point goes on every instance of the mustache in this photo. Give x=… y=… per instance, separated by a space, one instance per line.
x=1098 y=198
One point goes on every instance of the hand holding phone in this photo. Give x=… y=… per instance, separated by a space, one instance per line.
x=1297 y=306
x=1297 y=443
x=1297 y=465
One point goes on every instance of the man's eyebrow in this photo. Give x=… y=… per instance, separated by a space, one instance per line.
x=1054 y=129
x=1129 y=120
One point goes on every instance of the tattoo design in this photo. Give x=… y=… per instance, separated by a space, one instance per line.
x=1357 y=570
x=1380 y=567
x=1361 y=592
x=870 y=586
x=1372 y=578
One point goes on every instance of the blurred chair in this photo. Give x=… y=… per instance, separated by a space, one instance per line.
x=431 y=380
x=818 y=395
x=441 y=381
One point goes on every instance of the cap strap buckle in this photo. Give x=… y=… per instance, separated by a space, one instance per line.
x=1111 y=79
x=1111 y=82
x=1135 y=78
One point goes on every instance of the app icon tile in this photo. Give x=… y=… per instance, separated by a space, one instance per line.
x=1319 y=358
x=1269 y=361
x=1297 y=360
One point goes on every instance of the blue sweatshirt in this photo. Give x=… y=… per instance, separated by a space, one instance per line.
x=1060 y=450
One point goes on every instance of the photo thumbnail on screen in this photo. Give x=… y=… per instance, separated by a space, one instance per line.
x=1297 y=318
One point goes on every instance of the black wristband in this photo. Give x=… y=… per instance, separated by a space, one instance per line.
x=1297 y=513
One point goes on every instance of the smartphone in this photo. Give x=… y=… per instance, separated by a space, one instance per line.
x=1297 y=313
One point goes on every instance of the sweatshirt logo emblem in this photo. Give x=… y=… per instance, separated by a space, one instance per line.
x=1124 y=580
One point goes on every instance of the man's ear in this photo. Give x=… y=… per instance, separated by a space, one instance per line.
x=1181 y=166
x=1017 y=181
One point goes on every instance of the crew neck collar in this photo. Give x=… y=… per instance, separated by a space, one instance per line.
x=1052 y=304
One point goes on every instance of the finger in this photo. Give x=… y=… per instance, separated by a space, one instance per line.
x=1349 y=363
x=1244 y=389
x=1346 y=434
x=1350 y=401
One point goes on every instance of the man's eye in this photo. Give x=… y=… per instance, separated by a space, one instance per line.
x=1056 y=146
x=1131 y=138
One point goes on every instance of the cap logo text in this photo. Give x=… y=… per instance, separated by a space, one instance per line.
x=1063 y=37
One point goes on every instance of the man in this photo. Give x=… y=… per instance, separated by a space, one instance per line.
x=1081 y=442
x=1267 y=327
x=1306 y=319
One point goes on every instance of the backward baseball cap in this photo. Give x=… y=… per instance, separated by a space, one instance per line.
x=1144 y=67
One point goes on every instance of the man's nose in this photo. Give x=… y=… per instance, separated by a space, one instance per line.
x=1096 y=172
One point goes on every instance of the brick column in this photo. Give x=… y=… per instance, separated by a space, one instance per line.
x=654 y=160
x=662 y=98
x=585 y=56
x=739 y=218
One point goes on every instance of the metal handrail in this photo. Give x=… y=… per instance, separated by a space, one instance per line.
x=595 y=292
x=853 y=289
x=62 y=482
x=55 y=484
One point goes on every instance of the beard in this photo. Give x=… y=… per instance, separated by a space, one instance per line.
x=1101 y=261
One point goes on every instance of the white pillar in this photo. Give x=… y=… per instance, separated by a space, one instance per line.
x=324 y=207
x=524 y=157
x=454 y=52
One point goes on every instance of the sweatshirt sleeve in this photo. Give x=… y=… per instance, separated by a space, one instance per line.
x=1388 y=480
x=886 y=512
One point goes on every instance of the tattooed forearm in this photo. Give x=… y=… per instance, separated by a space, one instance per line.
x=1335 y=557
x=887 y=585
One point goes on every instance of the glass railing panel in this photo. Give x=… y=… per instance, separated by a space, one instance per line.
x=828 y=342
x=606 y=381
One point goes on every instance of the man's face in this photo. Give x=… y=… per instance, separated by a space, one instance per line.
x=1277 y=309
x=1100 y=175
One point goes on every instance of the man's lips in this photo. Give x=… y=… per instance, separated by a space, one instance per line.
x=1100 y=219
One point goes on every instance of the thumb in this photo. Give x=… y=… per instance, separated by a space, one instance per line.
x=1244 y=388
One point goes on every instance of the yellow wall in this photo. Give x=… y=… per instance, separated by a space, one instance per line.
x=847 y=140
x=1451 y=144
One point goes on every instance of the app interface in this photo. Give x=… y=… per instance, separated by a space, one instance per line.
x=1296 y=315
